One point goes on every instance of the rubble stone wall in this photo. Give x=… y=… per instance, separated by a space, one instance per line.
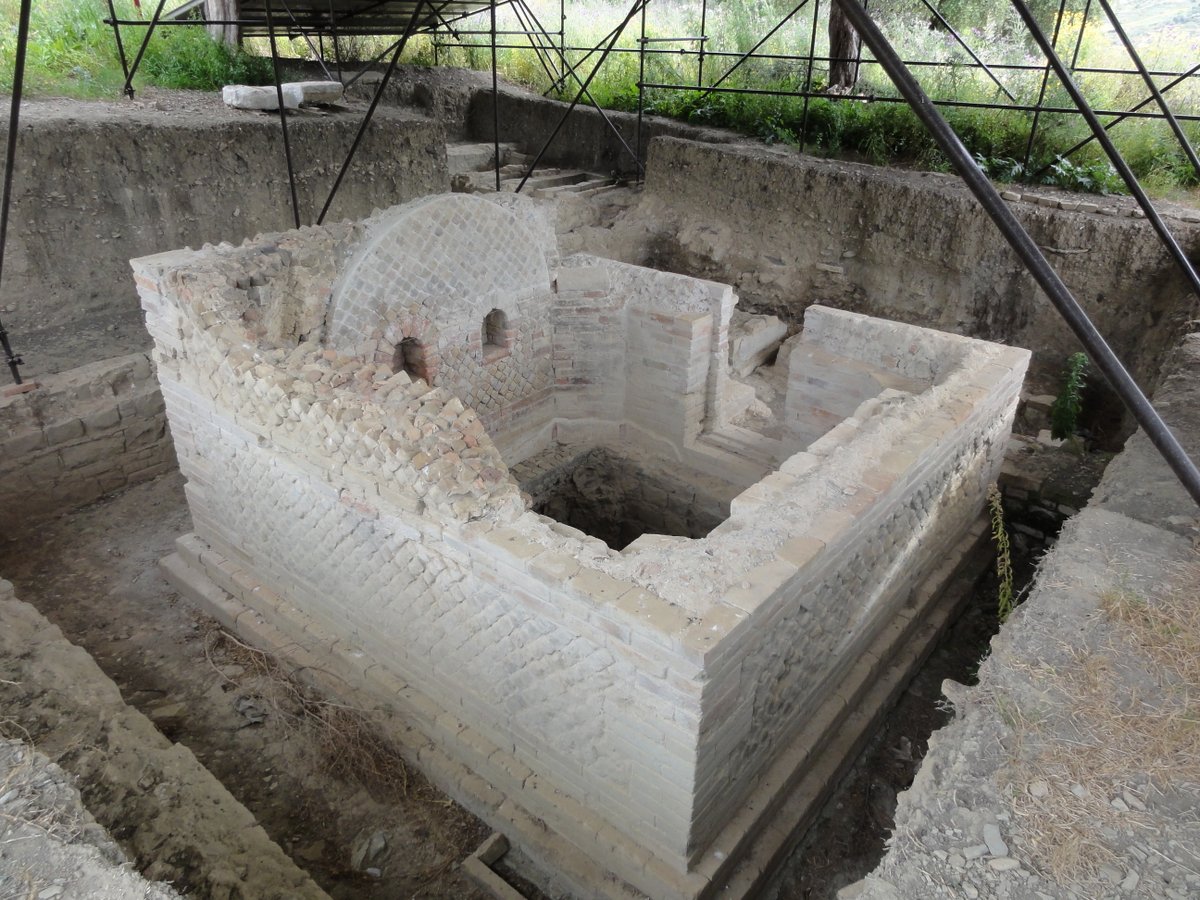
x=78 y=436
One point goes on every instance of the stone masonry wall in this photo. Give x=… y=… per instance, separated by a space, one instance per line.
x=628 y=700
x=78 y=436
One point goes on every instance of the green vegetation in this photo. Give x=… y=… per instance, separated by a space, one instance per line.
x=879 y=130
x=72 y=53
x=1064 y=414
x=1004 y=570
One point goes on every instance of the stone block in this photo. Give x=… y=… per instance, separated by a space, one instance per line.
x=254 y=97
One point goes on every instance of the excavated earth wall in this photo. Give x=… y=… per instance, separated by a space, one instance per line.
x=100 y=183
x=789 y=230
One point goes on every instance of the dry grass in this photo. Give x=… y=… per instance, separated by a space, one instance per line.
x=349 y=743
x=1123 y=723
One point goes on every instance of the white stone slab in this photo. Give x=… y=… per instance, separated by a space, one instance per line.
x=245 y=96
x=320 y=92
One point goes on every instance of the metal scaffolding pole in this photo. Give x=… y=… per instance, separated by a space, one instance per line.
x=287 y=146
x=1118 y=162
x=14 y=116
x=362 y=129
x=137 y=60
x=1154 y=91
x=1025 y=247
x=616 y=34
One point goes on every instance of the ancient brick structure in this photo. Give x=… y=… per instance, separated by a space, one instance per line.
x=370 y=418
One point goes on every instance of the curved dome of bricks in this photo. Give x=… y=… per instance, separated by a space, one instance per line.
x=436 y=262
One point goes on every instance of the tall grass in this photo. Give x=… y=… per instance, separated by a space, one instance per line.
x=71 y=52
x=879 y=131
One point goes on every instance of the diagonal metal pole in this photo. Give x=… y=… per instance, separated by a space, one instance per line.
x=1121 y=118
x=287 y=146
x=379 y=89
x=1158 y=97
x=1037 y=112
x=137 y=60
x=112 y=13
x=962 y=42
x=1026 y=249
x=14 y=116
x=616 y=35
x=1118 y=162
x=587 y=93
x=495 y=99
x=749 y=53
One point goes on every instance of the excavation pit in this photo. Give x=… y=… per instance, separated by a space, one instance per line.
x=617 y=499
x=643 y=716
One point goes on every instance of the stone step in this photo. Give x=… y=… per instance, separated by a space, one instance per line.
x=464 y=158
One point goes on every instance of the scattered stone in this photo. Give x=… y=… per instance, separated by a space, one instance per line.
x=1044 y=437
x=995 y=843
x=1010 y=196
x=976 y=852
x=1088 y=207
x=1109 y=873
x=1004 y=864
x=832 y=270
x=969 y=891
x=752 y=341
x=956 y=860
x=49 y=893
x=1119 y=805
x=1131 y=881
x=1080 y=791
x=250 y=709
x=1039 y=789
x=1132 y=800
x=368 y=850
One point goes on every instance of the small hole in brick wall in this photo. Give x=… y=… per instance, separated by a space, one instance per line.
x=410 y=357
x=495 y=334
x=617 y=499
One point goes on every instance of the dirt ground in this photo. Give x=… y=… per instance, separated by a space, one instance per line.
x=94 y=574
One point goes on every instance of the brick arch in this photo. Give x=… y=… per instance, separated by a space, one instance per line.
x=447 y=260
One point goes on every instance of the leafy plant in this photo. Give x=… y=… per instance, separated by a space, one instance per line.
x=1004 y=570
x=1064 y=414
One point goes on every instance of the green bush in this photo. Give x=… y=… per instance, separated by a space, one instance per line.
x=189 y=58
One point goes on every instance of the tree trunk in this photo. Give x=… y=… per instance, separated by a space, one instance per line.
x=844 y=43
x=219 y=11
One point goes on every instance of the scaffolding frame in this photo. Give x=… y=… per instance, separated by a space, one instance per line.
x=429 y=16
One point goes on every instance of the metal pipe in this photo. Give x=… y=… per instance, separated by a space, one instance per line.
x=587 y=93
x=812 y=50
x=287 y=146
x=1027 y=250
x=319 y=54
x=1087 y=9
x=14 y=116
x=703 y=42
x=641 y=106
x=362 y=129
x=1042 y=92
x=950 y=28
x=1154 y=91
x=616 y=34
x=137 y=60
x=745 y=56
x=1114 y=156
x=1121 y=118
x=952 y=104
x=112 y=12
x=495 y=101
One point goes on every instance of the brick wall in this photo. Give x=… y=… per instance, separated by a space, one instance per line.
x=631 y=701
x=79 y=435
